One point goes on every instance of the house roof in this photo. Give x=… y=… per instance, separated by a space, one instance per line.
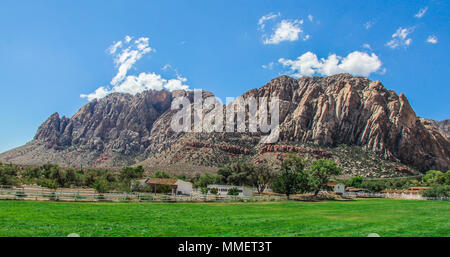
x=225 y=186
x=333 y=184
x=418 y=188
x=355 y=189
x=162 y=181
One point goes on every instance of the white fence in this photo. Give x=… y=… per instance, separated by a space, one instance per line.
x=404 y=196
x=43 y=194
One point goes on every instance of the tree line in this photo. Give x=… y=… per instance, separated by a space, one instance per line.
x=294 y=176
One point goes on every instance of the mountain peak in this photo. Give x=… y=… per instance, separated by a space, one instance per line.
x=342 y=109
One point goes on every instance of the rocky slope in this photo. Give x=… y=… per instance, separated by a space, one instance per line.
x=368 y=129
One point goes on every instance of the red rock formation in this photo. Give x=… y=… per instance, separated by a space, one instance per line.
x=267 y=148
x=224 y=147
x=325 y=111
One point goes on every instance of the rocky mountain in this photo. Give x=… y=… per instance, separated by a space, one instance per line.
x=369 y=130
x=443 y=126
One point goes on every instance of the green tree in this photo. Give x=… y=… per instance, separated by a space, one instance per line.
x=437 y=191
x=374 y=185
x=435 y=177
x=354 y=181
x=8 y=175
x=204 y=190
x=129 y=173
x=233 y=191
x=261 y=176
x=240 y=173
x=49 y=183
x=161 y=174
x=205 y=180
x=101 y=185
x=292 y=177
x=214 y=191
x=320 y=172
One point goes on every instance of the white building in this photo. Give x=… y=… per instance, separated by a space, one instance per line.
x=223 y=190
x=338 y=188
x=178 y=186
x=183 y=187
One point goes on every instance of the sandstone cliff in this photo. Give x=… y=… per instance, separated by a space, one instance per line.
x=317 y=116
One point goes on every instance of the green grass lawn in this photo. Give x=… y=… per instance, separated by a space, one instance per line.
x=328 y=218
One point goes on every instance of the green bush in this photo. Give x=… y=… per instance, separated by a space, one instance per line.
x=292 y=177
x=374 y=185
x=8 y=175
x=145 y=198
x=233 y=191
x=163 y=189
x=205 y=180
x=204 y=190
x=437 y=191
x=354 y=182
x=214 y=191
x=161 y=174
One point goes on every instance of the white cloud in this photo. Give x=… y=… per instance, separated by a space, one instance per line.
x=368 y=24
x=286 y=30
x=262 y=21
x=112 y=49
x=421 y=12
x=166 y=67
x=128 y=39
x=400 y=38
x=176 y=84
x=129 y=56
x=99 y=93
x=268 y=66
x=356 y=63
x=131 y=52
x=432 y=39
x=367 y=46
x=310 y=17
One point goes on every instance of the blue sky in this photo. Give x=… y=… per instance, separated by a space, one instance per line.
x=51 y=52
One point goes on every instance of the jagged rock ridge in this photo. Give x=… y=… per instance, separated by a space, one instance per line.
x=122 y=129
